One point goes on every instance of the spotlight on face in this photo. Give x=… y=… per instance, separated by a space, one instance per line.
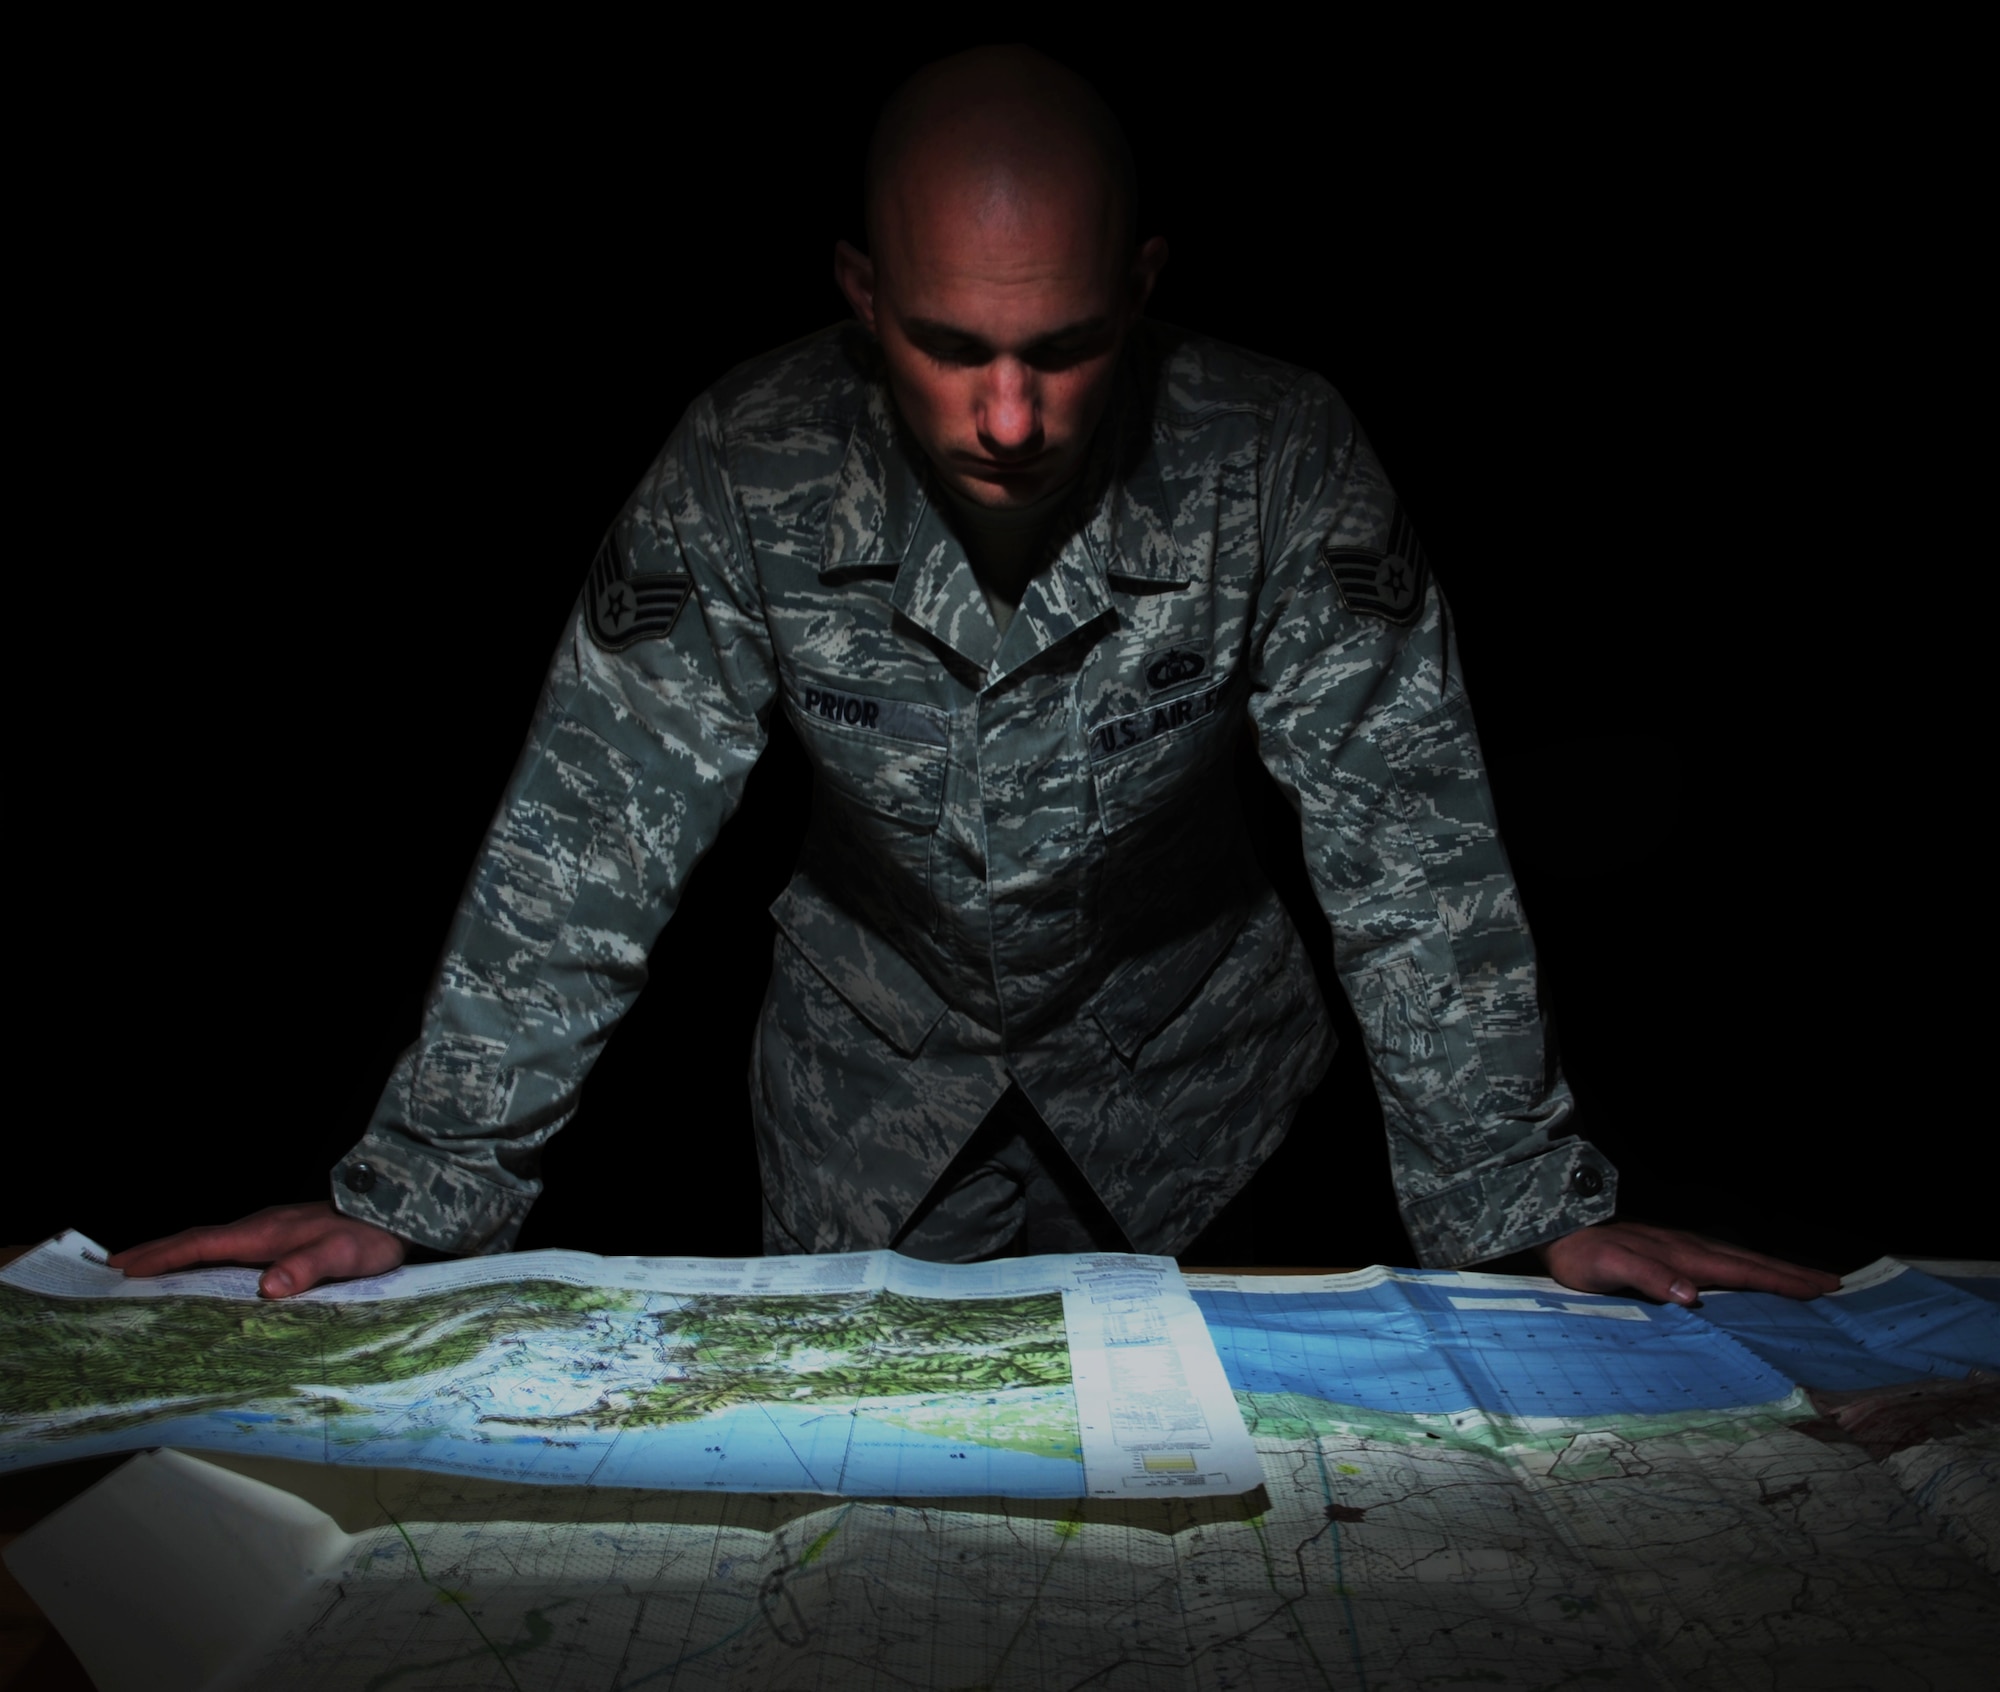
x=1003 y=280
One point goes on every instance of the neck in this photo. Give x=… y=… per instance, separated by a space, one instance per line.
x=1007 y=547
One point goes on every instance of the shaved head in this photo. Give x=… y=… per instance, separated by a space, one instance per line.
x=993 y=132
x=1002 y=274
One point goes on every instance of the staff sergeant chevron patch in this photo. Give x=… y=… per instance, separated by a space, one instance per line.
x=1390 y=584
x=622 y=609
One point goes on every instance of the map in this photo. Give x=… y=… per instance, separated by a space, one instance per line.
x=868 y=1374
x=1467 y=1480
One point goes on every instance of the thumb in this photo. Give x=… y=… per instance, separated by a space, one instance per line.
x=1662 y=1282
x=1605 y=1265
x=293 y=1273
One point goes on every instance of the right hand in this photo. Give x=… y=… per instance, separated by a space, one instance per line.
x=304 y=1244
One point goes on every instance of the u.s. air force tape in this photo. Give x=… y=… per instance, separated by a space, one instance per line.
x=1116 y=735
x=1388 y=584
x=621 y=610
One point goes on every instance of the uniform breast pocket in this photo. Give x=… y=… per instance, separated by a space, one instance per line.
x=888 y=779
x=1154 y=759
x=882 y=758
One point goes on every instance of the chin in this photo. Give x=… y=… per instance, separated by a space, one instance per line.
x=1005 y=495
x=998 y=496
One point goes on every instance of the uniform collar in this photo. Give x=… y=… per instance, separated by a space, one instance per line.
x=883 y=516
x=1131 y=531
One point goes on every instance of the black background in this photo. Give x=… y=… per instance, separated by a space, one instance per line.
x=342 y=367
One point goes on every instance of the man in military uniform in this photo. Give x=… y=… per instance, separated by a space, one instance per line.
x=1017 y=565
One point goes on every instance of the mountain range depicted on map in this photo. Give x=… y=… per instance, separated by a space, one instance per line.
x=864 y=1375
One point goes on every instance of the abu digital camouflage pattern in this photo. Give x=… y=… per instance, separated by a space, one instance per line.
x=1025 y=858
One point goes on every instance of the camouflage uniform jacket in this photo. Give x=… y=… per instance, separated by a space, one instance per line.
x=1025 y=858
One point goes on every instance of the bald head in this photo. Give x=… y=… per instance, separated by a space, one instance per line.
x=1002 y=276
x=998 y=135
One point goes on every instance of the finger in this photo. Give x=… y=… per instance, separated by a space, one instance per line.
x=119 y=1259
x=253 y=1239
x=345 y=1251
x=1622 y=1268
x=1775 y=1274
x=295 y=1272
x=1715 y=1263
x=228 y=1243
x=1770 y=1275
x=1604 y=1260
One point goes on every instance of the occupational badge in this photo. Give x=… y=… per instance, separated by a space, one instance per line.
x=1172 y=667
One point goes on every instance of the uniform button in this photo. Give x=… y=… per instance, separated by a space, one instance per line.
x=361 y=1179
x=1584 y=1180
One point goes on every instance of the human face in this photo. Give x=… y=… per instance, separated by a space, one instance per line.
x=1000 y=321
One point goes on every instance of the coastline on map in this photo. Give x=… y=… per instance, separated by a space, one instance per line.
x=880 y=1449
x=525 y=1366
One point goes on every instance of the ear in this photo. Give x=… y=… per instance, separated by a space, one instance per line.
x=854 y=271
x=1147 y=263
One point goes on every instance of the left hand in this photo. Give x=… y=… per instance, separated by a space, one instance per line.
x=1669 y=1266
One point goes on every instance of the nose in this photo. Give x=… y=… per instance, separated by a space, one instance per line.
x=1010 y=411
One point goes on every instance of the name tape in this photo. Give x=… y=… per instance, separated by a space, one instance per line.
x=897 y=718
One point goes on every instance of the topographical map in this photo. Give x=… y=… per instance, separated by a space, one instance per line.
x=1467 y=1480
x=867 y=1374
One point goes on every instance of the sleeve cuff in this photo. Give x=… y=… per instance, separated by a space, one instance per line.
x=1509 y=1207
x=428 y=1200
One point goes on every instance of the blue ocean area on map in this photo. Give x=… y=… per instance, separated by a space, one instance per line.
x=814 y=1450
x=770 y=1447
x=1437 y=1345
x=1912 y=1327
x=1409 y=1345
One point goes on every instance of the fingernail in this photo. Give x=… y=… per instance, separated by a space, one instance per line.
x=277 y=1283
x=1683 y=1291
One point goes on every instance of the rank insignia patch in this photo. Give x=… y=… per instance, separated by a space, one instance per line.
x=1390 y=584
x=622 y=610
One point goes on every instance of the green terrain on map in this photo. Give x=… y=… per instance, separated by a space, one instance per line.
x=750 y=1348
x=81 y=1366
x=1492 y=1433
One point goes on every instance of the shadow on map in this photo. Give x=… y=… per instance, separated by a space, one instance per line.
x=360 y=1499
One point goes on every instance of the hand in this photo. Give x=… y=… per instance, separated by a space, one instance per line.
x=1669 y=1266
x=304 y=1244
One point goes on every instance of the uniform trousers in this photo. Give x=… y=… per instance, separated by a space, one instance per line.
x=1012 y=1191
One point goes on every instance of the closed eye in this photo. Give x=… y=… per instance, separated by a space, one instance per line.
x=1065 y=352
x=963 y=355
x=1065 y=348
